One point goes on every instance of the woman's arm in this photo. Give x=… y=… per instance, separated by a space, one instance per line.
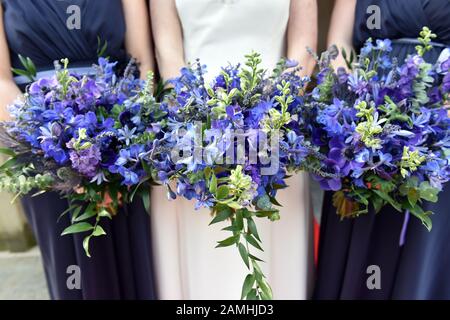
x=168 y=37
x=341 y=29
x=302 y=33
x=138 y=37
x=8 y=89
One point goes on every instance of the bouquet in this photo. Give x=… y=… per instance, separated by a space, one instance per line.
x=382 y=130
x=230 y=144
x=85 y=137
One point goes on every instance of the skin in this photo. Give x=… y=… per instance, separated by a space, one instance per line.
x=137 y=42
x=168 y=35
x=341 y=28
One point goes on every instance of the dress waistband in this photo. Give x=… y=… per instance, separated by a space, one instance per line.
x=416 y=41
x=23 y=80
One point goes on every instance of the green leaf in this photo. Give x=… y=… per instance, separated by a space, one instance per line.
x=234 y=205
x=89 y=213
x=377 y=203
x=77 y=228
x=239 y=220
x=254 y=258
x=413 y=196
x=31 y=67
x=248 y=285
x=207 y=172
x=274 y=201
x=86 y=245
x=228 y=241
x=264 y=213
x=244 y=254
x=223 y=214
x=424 y=217
x=388 y=198
x=8 y=164
x=222 y=192
x=230 y=228
x=76 y=212
x=21 y=72
x=145 y=195
x=258 y=273
x=213 y=184
x=66 y=211
x=252 y=295
x=104 y=213
x=252 y=228
x=98 y=231
x=427 y=192
x=266 y=291
x=23 y=61
x=252 y=241
x=7 y=152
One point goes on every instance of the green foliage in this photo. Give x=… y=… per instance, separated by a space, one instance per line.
x=101 y=47
x=426 y=36
x=29 y=69
x=244 y=236
x=411 y=160
x=371 y=127
x=277 y=119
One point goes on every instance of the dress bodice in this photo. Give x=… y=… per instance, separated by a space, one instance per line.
x=39 y=30
x=222 y=31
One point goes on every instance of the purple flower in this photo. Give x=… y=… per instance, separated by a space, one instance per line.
x=86 y=160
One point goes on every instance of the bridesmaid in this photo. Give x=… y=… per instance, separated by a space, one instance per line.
x=419 y=268
x=121 y=263
x=218 y=32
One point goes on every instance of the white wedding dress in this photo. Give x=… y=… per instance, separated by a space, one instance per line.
x=187 y=264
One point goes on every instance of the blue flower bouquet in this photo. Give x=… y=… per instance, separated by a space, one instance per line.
x=85 y=136
x=229 y=145
x=382 y=130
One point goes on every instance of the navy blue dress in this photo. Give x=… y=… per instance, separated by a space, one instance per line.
x=420 y=268
x=121 y=264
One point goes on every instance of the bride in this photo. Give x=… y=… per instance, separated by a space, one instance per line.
x=219 y=32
